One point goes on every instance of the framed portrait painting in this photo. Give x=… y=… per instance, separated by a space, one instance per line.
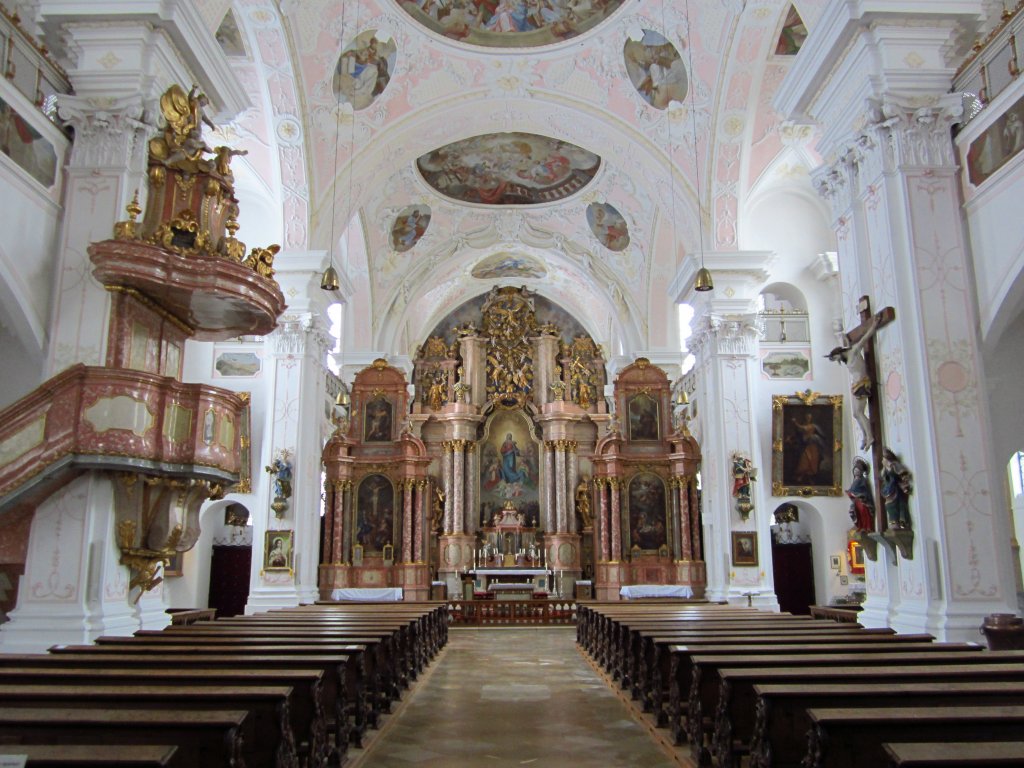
x=807 y=445
x=744 y=549
x=642 y=411
x=856 y=556
x=277 y=551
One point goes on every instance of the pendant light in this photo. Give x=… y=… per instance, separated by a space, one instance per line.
x=330 y=281
x=703 y=282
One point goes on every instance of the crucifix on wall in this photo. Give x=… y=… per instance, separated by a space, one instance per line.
x=860 y=361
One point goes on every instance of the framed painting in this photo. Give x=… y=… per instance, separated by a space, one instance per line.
x=643 y=417
x=807 y=445
x=378 y=417
x=647 y=512
x=744 y=549
x=174 y=565
x=277 y=550
x=375 y=513
x=856 y=555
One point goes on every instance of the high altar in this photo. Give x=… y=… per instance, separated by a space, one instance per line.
x=511 y=464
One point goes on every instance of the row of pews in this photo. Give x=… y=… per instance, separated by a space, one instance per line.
x=291 y=688
x=750 y=689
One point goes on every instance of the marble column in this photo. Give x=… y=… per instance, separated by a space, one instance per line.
x=447 y=468
x=682 y=492
x=459 y=484
x=408 y=486
x=602 y=505
x=560 y=501
x=472 y=504
x=614 y=486
x=550 y=517
x=573 y=470
x=422 y=487
x=893 y=185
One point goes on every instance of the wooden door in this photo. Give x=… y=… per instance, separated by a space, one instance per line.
x=793 y=566
x=229 y=579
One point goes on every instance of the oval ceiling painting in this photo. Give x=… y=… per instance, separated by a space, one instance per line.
x=409 y=226
x=608 y=226
x=508 y=265
x=655 y=69
x=364 y=69
x=510 y=23
x=508 y=169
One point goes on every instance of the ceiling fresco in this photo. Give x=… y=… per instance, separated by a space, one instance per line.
x=608 y=226
x=410 y=225
x=510 y=23
x=508 y=169
x=364 y=70
x=655 y=69
x=509 y=265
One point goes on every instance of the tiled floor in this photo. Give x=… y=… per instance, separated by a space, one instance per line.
x=511 y=697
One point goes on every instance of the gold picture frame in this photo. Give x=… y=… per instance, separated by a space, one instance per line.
x=807 y=444
x=744 y=549
x=278 y=551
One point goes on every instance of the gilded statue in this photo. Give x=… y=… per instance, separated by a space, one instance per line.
x=261 y=260
x=579 y=379
x=435 y=395
x=583 y=503
x=182 y=145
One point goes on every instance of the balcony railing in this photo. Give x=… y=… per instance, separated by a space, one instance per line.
x=28 y=66
x=993 y=64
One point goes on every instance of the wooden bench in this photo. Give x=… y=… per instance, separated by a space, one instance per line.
x=97 y=755
x=307 y=688
x=983 y=754
x=273 y=740
x=781 y=722
x=853 y=738
x=205 y=739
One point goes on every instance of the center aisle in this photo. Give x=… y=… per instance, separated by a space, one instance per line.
x=511 y=697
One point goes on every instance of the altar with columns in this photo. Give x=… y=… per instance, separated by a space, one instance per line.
x=506 y=465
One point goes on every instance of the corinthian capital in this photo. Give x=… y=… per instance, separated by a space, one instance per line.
x=108 y=132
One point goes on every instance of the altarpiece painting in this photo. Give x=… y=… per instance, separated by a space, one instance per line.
x=509 y=468
x=648 y=527
x=375 y=513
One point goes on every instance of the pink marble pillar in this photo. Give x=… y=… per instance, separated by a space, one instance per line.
x=550 y=524
x=337 y=510
x=602 y=505
x=449 y=485
x=695 y=523
x=459 y=484
x=327 y=548
x=613 y=488
x=686 y=546
x=417 y=533
x=561 y=514
x=407 y=488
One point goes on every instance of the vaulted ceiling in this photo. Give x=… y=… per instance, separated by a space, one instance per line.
x=323 y=163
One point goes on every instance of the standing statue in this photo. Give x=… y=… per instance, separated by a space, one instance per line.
x=897 y=485
x=583 y=503
x=435 y=396
x=182 y=145
x=743 y=474
x=862 y=499
x=579 y=378
x=860 y=380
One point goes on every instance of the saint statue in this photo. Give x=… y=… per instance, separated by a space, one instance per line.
x=897 y=485
x=862 y=500
x=583 y=503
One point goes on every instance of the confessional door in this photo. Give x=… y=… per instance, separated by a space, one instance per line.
x=793 y=567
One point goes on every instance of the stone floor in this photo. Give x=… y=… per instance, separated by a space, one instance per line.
x=511 y=697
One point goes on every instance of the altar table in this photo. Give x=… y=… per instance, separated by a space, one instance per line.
x=370 y=594
x=636 y=591
x=513 y=591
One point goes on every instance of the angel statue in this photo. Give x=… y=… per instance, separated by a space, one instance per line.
x=182 y=145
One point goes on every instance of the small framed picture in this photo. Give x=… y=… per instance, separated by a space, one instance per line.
x=856 y=556
x=844 y=580
x=835 y=562
x=744 y=548
x=357 y=555
x=277 y=551
x=173 y=568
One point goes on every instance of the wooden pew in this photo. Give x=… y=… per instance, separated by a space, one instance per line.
x=97 y=755
x=853 y=738
x=345 y=700
x=272 y=742
x=734 y=711
x=781 y=722
x=740 y=682
x=206 y=739
x=985 y=754
x=307 y=688
x=681 y=659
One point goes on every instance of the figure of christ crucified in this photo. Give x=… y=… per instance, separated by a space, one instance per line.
x=859 y=359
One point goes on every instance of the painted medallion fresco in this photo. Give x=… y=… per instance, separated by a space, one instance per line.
x=508 y=265
x=364 y=69
x=608 y=226
x=508 y=169
x=409 y=226
x=793 y=34
x=510 y=23
x=655 y=69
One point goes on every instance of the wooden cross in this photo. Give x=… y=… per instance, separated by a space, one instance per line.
x=882 y=319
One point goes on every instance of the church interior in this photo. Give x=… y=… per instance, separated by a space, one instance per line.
x=387 y=322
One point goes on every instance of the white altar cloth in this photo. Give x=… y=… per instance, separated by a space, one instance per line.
x=636 y=591
x=509 y=571
x=370 y=594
